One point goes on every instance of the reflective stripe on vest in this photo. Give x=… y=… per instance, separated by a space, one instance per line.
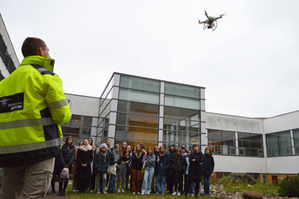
x=25 y=123
x=30 y=147
x=58 y=104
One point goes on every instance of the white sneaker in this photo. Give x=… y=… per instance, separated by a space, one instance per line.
x=179 y=193
x=192 y=194
x=134 y=193
x=142 y=193
x=74 y=190
x=138 y=193
x=189 y=194
x=118 y=191
x=174 y=193
x=91 y=191
x=123 y=191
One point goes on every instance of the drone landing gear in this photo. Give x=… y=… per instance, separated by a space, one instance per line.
x=212 y=26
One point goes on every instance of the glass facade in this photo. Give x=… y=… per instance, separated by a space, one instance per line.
x=250 y=144
x=224 y=143
x=150 y=112
x=80 y=127
x=279 y=144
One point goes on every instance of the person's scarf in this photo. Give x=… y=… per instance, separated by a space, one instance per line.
x=85 y=148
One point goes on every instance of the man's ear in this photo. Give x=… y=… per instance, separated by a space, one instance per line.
x=40 y=51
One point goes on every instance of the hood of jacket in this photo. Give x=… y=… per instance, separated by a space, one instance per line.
x=45 y=62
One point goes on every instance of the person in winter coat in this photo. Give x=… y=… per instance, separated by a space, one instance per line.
x=121 y=178
x=84 y=159
x=101 y=163
x=128 y=173
x=208 y=168
x=171 y=172
x=117 y=161
x=150 y=161
x=179 y=168
x=136 y=166
x=75 y=173
x=68 y=156
x=190 y=191
x=195 y=169
x=161 y=170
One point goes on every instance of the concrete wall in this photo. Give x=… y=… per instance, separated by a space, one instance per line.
x=84 y=105
x=283 y=122
x=283 y=165
x=237 y=164
x=233 y=123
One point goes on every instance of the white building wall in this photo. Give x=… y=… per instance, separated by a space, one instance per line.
x=84 y=105
x=282 y=122
x=237 y=164
x=283 y=165
x=233 y=123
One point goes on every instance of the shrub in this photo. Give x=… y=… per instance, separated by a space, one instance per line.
x=238 y=178
x=289 y=187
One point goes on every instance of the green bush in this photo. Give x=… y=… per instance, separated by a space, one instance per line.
x=238 y=178
x=289 y=187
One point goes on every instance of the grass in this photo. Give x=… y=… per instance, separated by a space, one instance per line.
x=265 y=189
x=126 y=195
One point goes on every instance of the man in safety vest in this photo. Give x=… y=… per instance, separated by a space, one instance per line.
x=32 y=108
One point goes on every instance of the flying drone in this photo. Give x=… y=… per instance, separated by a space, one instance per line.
x=211 y=22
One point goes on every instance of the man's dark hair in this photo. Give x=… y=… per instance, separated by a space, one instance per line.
x=31 y=45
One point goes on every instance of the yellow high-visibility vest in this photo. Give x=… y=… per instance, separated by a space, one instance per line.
x=32 y=108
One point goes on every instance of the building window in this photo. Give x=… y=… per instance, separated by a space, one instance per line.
x=138 y=96
x=80 y=127
x=136 y=122
x=139 y=83
x=296 y=140
x=279 y=144
x=182 y=102
x=250 y=144
x=1 y=76
x=182 y=90
x=3 y=48
x=222 y=142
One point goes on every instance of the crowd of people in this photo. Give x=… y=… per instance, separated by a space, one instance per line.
x=145 y=170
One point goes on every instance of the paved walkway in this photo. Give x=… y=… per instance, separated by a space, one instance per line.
x=55 y=195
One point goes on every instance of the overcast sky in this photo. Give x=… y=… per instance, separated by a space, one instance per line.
x=248 y=65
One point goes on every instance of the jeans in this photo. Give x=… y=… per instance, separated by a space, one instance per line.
x=199 y=189
x=147 y=180
x=196 y=186
x=112 y=183
x=206 y=184
x=100 y=176
x=160 y=182
x=122 y=175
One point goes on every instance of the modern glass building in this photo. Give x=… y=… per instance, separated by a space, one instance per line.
x=150 y=111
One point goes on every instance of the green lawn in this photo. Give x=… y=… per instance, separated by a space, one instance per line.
x=126 y=195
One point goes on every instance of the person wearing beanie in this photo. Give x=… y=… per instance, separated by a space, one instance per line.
x=101 y=163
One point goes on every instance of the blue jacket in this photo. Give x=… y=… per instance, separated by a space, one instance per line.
x=163 y=164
